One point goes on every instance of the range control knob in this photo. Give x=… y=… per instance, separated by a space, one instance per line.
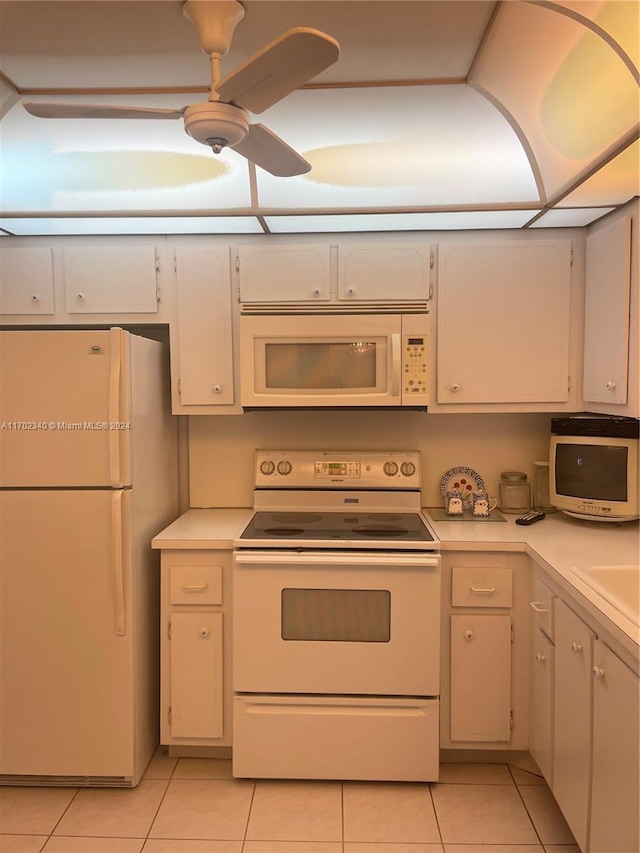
x=284 y=467
x=408 y=469
x=390 y=469
x=267 y=467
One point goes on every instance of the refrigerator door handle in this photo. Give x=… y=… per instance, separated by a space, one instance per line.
x=114 y=407
x=118 y=561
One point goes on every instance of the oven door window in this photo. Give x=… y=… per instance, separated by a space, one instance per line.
x=336 y=615
x=325 y=366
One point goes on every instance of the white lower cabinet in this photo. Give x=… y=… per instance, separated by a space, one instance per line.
x=572 y=720
x=195 y=648
x=615 y=794
x=584 y=722
x=480 y=678
x=541 y=717
x=196 y=675
x=485 y=645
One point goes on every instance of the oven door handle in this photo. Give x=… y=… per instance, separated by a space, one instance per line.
x=323 y=558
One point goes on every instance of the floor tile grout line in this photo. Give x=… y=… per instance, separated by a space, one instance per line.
x=529 y=815
x=246 y=828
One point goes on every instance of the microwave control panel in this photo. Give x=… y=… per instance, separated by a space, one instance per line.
x=415 y=369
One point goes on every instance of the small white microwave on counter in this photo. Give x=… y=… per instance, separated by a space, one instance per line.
x=334 y=360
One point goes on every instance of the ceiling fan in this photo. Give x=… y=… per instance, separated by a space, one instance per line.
x=273 y=72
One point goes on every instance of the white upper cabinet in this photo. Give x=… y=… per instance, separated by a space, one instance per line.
x=26 y=281
x=202 y=338
x=110 y=280
x=503 y=323
x=383 y=273
x=607 y=317
x=347 y=276
x=284 y=273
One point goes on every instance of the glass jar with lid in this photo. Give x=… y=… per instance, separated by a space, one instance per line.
x=541 y=500
x=514 y=495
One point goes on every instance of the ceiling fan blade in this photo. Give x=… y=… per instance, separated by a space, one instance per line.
x=97 y=111
x=271 y=153
x=281 y=67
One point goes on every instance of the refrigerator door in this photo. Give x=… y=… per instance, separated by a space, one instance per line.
x=67 y=654
x=64 y=408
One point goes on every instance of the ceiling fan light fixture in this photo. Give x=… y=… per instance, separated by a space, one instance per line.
x=215 y=124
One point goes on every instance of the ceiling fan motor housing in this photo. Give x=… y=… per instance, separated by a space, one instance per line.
x=216 y=124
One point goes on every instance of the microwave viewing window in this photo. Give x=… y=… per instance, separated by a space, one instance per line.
x=592 y=472
x=307 y=366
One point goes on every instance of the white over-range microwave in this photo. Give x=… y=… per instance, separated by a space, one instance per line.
x=334 y=360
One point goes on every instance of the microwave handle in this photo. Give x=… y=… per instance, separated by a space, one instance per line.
x=396 y=368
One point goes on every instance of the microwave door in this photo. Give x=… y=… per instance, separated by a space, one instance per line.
x=320 y=361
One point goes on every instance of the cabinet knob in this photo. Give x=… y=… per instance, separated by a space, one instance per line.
x=351 y=291
x=576 y=648
x=217 y=389
x=611 y=386
x=598 y=672
x=540 y=658
x=204 y=632
x=454 y=387
x=80 y=296
x=35 y=298
x=468 y=635
x=317 y=293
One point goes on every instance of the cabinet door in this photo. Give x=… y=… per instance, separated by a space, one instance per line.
x=284 y=273
x=541 y=718
x=606 y=314
x=110 y=280
x=480 y=678
x=205 y=344
x=572 y=720
x=26 y=281
x=196 y=675
x=383 y=273
x=503 y=323
x=615 y=793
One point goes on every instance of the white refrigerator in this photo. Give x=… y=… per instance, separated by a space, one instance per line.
x=88 y=475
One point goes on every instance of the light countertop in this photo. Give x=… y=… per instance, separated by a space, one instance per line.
x=199 y=529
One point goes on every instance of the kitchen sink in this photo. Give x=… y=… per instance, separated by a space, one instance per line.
x=619 y=585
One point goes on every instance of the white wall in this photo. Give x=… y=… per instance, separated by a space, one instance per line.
x=222 y=448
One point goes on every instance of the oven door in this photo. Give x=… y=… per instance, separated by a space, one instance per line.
x=327 y=622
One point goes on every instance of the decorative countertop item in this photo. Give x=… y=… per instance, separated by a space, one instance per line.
x=463 y=480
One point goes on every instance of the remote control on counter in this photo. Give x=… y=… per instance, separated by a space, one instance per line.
x=530 y=518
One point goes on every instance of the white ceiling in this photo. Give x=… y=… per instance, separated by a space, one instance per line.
x=438 y=112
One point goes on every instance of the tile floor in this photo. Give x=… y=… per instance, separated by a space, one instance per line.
x=191 y=805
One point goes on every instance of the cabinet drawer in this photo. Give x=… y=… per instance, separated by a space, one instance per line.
x=543 y=605
x=196 y=584
x=481 y=587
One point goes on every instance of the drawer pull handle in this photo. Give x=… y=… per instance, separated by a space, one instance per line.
x=598 y=672
x=204 y=632
x=195 y=587
x=536 y=606
x=576 y=648
x=540 y=658
x=468 y=635
x=487 y=589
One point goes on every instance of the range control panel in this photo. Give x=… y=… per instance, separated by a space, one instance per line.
x=330 y=469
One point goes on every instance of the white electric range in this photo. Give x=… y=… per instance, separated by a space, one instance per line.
x=336 y=615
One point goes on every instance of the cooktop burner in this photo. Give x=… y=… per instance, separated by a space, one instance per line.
x=338 y=526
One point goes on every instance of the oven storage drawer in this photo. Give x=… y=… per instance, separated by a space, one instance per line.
x=335 y=737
